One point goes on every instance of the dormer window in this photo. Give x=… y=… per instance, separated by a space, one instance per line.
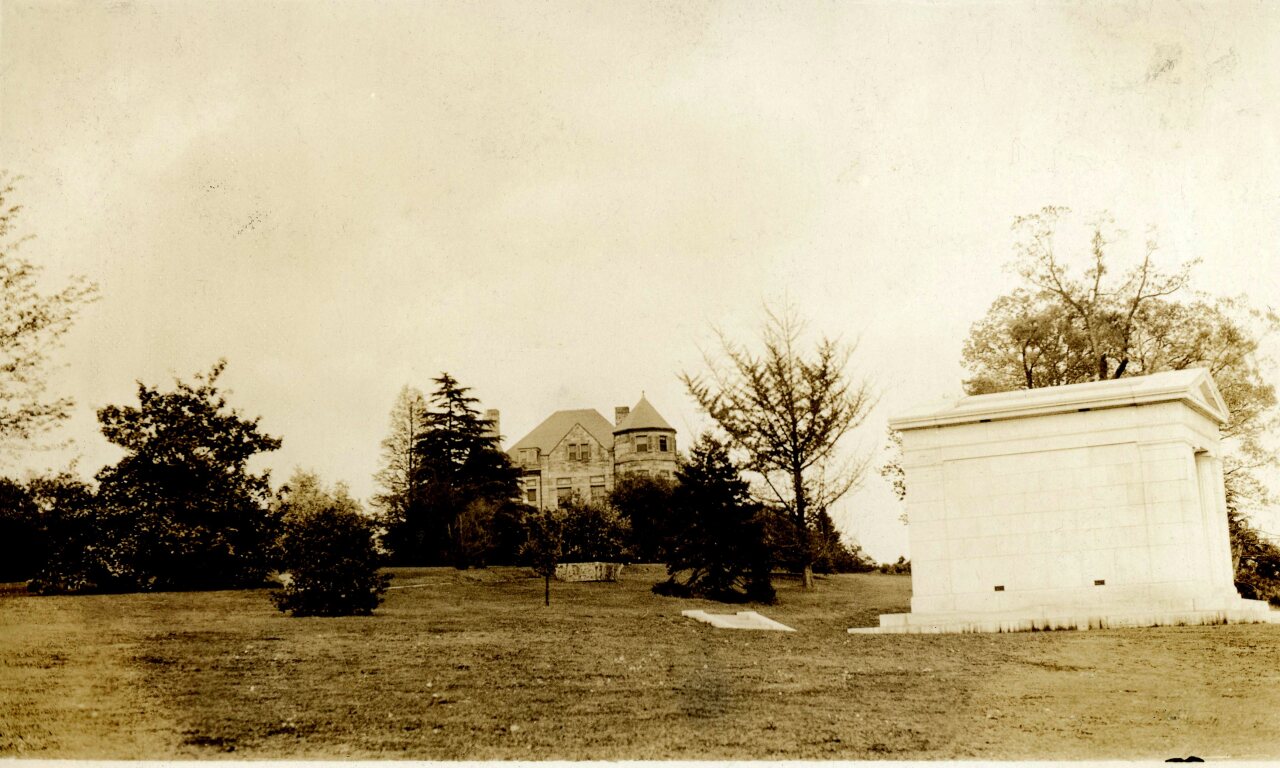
x=642 y=443
x=573 y=451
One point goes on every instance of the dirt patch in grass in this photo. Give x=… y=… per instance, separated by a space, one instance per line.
x=470 y=665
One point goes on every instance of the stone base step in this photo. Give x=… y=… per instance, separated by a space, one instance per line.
x=912 y=623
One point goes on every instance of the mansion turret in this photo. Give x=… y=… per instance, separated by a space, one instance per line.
x=580 y=452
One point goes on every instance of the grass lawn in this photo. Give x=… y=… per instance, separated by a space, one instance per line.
x=471 y=665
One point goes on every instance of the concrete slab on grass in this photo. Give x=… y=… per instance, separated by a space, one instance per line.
x=739 y=620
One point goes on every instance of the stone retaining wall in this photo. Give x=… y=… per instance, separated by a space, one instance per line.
x=588 y=571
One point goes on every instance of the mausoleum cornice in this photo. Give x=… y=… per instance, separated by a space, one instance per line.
x=1193 y=387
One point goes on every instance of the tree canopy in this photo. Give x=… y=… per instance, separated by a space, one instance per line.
x=645 y=502
x=195 y=515
x=787 y=410
x=32 y=323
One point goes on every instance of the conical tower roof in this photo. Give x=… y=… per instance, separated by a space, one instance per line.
x=643 y=416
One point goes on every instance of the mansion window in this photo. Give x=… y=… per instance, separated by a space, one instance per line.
x=531 y=495
x=642 y=443
x=564 y=490
x=579 y=451
x=662 y=444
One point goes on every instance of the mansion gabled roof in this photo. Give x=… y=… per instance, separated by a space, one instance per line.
x=643 y=416
x=550 y=432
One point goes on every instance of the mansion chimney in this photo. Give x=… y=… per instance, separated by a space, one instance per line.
x=619 y=414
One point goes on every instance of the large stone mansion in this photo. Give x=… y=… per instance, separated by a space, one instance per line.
x=580 y=452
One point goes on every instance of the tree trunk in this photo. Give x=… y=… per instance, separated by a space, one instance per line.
x=546 y=595
x=802 y=531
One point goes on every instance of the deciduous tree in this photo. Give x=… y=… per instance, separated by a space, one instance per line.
x=594 y=532
x=544 y=547
x=788 y=411
x=396 y=478
x=23 y=541
x=32 y=323
x=645 y=502
x=192 y=514
x=84 y=540
x=1102 y=303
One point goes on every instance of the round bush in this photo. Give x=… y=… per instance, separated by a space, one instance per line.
x=332 y=564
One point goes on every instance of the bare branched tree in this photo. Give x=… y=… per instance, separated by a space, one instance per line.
x=1106 y=310
x=787 y=412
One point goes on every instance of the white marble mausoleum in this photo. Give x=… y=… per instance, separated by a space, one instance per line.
x=1090 y=505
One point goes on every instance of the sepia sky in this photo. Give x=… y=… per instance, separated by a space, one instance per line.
x=556 y=202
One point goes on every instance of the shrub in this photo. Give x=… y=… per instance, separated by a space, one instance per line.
x=328 y=550
x=594 y=531
x=902 y=566
x=510 y=523
x=471 y=534
x=91 y=548
x=23 y=543
x=646 y=504
x=832 y=555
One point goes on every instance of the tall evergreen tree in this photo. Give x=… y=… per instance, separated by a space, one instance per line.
x=718 y=548
x=459 y=462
